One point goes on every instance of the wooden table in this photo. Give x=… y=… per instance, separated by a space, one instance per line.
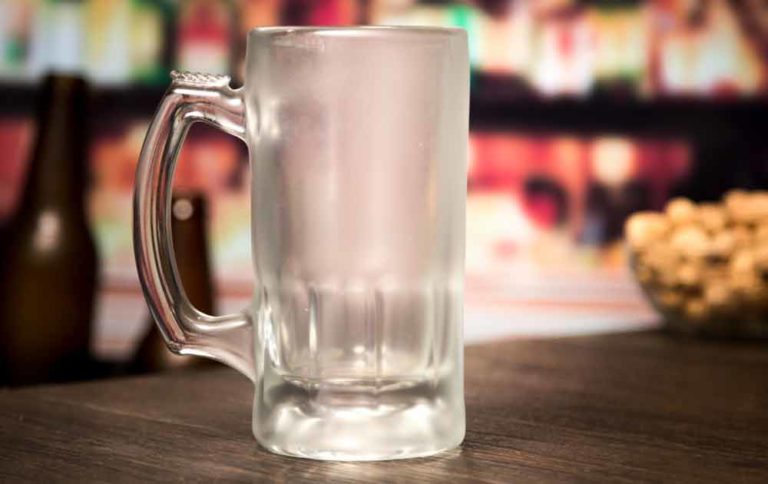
x=621 y=408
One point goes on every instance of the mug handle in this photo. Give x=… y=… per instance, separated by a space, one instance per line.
x=191 y=98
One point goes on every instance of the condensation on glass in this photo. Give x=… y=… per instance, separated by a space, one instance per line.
x=358 y=147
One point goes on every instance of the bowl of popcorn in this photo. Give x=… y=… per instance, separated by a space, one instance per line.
x=704 y=266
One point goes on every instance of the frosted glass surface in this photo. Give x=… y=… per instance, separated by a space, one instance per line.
x=358 y=142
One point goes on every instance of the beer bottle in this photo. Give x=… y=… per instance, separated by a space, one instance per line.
x=48 y=259
x=188 y=228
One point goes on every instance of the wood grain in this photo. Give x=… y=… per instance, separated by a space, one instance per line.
x=622 y=408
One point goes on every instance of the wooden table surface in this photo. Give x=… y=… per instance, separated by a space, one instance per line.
x=632 y=407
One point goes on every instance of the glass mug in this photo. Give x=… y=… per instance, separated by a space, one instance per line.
x=357 y=139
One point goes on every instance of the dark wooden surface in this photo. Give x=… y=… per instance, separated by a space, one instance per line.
x=635 y=407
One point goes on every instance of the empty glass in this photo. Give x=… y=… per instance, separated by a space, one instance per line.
x=358 y=146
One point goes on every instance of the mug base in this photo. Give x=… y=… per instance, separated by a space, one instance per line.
x=341 y=427
x=356 y=457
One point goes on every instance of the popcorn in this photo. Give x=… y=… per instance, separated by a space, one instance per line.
x=660 y=258
x=705 y=266
x=646 y=227
x=722 y=246
x=644 y=275
x=760 y=256
x=761 y=233
x=681 y=211
x=696 y=310
x=743 y=263
x=690 y=240
x=689 y=276
x=719 y=296
x=736 y=202
x=747 y=208
x=672 y=300
x=712 y=217
x=742 y=235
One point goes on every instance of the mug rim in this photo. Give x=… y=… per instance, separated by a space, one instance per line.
x=359 y=30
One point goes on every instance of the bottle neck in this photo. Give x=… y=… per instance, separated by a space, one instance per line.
x=188 y=218
x=57 y=174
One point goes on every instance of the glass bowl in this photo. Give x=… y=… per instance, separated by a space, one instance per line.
x=706 y=273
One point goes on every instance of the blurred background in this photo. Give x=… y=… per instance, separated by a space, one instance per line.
x=582 y=112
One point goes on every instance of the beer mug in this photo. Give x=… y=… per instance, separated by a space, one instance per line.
x=357 y=139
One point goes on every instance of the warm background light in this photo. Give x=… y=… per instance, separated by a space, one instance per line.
x=582 y=112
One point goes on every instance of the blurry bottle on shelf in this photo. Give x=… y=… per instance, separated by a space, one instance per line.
x=546 y=202
x=382 y=12
x=205 y=35
x=474 y=22
x=188 y=225
x=322 y=12
x=16 y=37
x=151 y=26
x=702 y=51
x=409 y=13
x=48 y=273
x=58 y=41
x=108 y=40
x=253 y=13
x=563 y=53
x=614 y=191
x=730 y=65
x=753 y=15
x=622 y=45
x=504 y=39
x=126 y=39
x=661 y=24
x=258 y=13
